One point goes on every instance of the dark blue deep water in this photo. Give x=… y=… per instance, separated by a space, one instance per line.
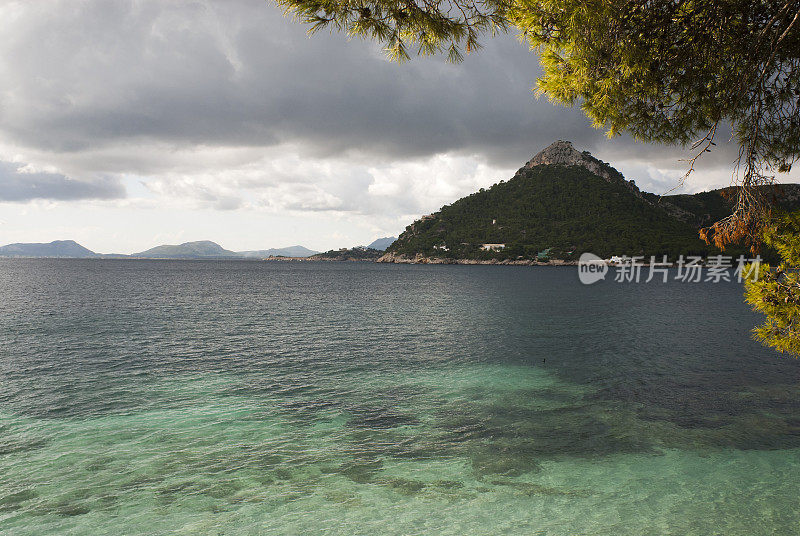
x=157 y=397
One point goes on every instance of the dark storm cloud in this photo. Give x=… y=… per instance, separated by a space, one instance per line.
x=17 y=185
x=237 y=73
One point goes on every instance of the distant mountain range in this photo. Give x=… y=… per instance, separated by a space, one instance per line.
x=203 y=249
x=382 y=243
x=565 y=202
x=291 y=251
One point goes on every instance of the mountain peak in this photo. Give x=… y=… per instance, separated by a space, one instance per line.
x=563 y=153
x=560 y=152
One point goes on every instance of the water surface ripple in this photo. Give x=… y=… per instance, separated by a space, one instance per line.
x=157 y=397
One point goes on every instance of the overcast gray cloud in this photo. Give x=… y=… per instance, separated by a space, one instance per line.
x=80 y=75
x=19 y=184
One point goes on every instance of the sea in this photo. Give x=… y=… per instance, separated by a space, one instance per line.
x=305 y=398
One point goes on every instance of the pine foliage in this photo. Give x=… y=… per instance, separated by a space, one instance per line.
x=775 y=292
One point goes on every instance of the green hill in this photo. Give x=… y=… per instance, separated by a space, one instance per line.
x=566 y=202
x=188 y=250
x=58 y=248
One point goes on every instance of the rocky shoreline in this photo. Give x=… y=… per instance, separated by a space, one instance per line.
x=421 y=259
x=315 y=258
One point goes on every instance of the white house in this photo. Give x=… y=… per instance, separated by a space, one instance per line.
x=492 y=247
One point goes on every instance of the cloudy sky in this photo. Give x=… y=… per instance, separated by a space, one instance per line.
x=129 y=123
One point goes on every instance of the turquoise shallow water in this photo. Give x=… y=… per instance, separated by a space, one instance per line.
x=145 y=397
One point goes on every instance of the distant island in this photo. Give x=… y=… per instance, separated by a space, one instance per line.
x=57 y=248
x=291 y=251
x=203 y=249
